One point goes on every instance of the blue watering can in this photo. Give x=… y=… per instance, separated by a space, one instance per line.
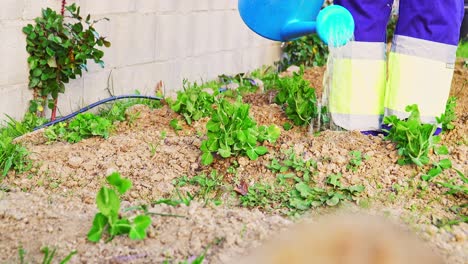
x=284 y=20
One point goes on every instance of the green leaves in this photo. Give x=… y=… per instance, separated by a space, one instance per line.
x=414 y=139
x=303 y=197
x=193 y=103
x=308 y=51
x=118 y=182
x=59 y=50
x=107 y=201
x=84 y=126
x=231 y=131
x=99 y=224
x=298 y=99
x=108 y=219
x=12 y=156
x=449 y=115
x=139 y=226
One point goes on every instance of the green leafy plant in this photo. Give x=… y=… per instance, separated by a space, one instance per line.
x=108 y=218
x=449 y=115
x=210 y=185
x=231 y=131
x=298 y=99
x=244 y=83
x=116 y=111
x=59 y=50
x=307 y=51
x=48 y=255
x=355 y=161
x=455 y=185
x=175 y=124
x=12 y=156
x=193 y=103
x=303 y=197
x=438 y=167
x=14 y=128
x=292 y=162
x=84 y=126
x=266 y=196
x=181 y=199
x=414 y=140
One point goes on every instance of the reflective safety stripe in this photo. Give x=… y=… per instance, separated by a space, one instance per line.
x=361 y=50
x=357 y=91
x=416 y=80
x=357 y=122
x=424 y=49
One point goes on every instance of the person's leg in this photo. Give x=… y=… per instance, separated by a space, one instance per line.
x=358 y=76
x=422 y=59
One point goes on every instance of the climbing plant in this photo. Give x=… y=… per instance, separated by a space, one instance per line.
x=58 y=51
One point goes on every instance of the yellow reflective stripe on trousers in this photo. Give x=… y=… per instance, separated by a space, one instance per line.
x=419 y=76
x=356 y=97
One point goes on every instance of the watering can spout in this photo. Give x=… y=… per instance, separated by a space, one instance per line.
x=286 y=20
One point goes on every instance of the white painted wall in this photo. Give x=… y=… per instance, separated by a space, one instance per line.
x=152 y=40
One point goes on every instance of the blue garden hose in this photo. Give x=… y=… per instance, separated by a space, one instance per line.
x=84 y=109
x=113 y=98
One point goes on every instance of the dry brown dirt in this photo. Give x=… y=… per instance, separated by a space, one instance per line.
x=54 y=204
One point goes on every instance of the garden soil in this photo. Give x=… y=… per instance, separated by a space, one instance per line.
x=54 y=204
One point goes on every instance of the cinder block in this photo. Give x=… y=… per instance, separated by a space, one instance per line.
x=133 y=39
x=32 y=8
x=72 y=99
x=96 y=85
x=219 y=4
x=104 y=7
x=201 y=33
x=14 y=101
x=201 y=5
x=11 y=9
x=142 y=77
x=13 y=65
x=147 y=6
x=173 y=37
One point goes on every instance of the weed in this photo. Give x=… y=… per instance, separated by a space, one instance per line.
x=287 y=126
x=181 y=199
x=449 y=115
x=303 y=168
x=152 y=148
x=356 y=160
x=269 y=77
x=298 y=99
x=12 y=156
x=84 y=126
x=299 y=196
x=163 y=135
x=48 y=255
x=193 y=103
x=266 y=196
x=175 y=124
x=304 y=197
x=116 y=111
x=108 y=218
x=210 y=185
x=231 y=131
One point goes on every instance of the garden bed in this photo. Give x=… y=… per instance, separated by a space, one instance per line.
x=54 y=203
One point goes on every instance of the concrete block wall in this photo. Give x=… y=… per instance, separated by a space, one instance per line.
x=152 y=41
